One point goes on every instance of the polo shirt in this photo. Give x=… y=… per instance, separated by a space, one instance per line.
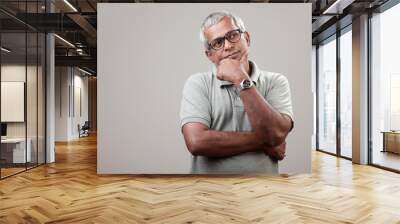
x=217 y=104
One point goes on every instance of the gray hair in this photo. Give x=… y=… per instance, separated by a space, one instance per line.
x=215 y=18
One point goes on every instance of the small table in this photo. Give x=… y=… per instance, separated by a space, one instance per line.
x=13 y=150
x=391 y=141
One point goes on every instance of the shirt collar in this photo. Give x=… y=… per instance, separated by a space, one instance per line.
x=255 y=74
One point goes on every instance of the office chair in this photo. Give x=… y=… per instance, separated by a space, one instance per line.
x=84 y=130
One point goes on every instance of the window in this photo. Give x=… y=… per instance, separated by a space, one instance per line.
x=327 y=96
x=346 y=93
x=385 y=89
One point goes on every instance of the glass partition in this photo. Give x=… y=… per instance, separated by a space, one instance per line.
x=41 y=87
x=13 y=109
x=32 y=95
x=327 y=96
x=22 y=77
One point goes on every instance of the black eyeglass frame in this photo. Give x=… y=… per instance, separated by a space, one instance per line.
x=225 y=37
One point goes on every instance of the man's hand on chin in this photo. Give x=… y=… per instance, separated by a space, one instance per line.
x=277 y=152
x=233 y=70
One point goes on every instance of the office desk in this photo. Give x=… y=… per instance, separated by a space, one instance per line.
x=13 y=150
x=391 y=141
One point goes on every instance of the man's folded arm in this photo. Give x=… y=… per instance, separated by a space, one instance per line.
x=200 y=140
x=265 y=118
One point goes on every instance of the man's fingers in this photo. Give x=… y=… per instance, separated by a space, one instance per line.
x=277 y=152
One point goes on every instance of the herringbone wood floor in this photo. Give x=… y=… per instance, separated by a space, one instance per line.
x=70 y=191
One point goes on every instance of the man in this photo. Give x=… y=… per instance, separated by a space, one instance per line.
x=236 y=117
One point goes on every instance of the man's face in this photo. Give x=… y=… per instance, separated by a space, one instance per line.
x=229 y=50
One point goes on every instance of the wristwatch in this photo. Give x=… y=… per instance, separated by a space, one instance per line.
x=245 y=84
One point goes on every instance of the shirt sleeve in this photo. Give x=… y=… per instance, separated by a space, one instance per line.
x=279 y=96
x=195 y=104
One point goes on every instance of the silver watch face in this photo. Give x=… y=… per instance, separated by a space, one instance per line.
x=246 y=84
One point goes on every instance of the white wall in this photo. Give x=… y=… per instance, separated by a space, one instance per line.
x=80 y=83
x=62 y=80
x=157 y=48
x=67 y=81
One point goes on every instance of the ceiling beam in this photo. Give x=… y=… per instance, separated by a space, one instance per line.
x=83 y=61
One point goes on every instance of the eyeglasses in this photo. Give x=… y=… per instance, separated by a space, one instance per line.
x=232 y=36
